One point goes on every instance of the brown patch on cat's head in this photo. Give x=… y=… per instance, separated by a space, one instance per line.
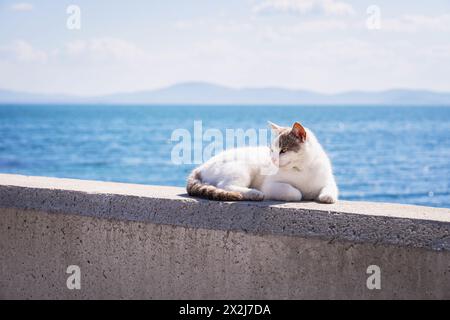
x=291 y=140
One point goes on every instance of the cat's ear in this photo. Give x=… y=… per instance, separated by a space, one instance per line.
x=299 y=131
x=276 y=128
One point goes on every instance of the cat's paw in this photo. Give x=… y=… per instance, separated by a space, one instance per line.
x=326 y=198
x=254 y=195
x=294 y=195
x=291 y=195
x=283 y=192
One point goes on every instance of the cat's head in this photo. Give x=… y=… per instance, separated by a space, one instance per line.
x=289 y=146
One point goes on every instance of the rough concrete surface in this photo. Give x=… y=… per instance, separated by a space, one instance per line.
x=142 y=242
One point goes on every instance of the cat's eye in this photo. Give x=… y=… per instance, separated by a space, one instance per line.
x=283 y=151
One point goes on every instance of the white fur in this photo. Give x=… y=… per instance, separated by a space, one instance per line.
x=303 y=175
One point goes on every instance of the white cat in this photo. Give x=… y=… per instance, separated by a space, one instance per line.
x=303 y=171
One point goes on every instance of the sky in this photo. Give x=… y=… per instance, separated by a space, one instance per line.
x=326 y=46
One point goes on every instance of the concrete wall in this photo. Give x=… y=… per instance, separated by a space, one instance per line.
x=145 y=242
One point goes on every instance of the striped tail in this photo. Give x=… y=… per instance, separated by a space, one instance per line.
x=195 y=187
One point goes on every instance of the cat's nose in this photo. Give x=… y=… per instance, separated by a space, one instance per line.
x=275 y=160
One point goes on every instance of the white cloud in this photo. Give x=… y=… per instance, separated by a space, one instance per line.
x=26 y=52
x=188 y=24
x=327 y=65
x=96 y=50
x=318 y=25
x=233 y=26
x=76 y=47
x=291 y=32
x=436 y=52
x=328 y=7
x=22 y=6
x=327 y=53
x=214 y=25
x=415 y=23
x=106 y=48
x=23 y=51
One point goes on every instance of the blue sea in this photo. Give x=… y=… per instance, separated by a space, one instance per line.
x=389 y=154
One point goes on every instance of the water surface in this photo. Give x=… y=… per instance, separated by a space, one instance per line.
x=389 y=154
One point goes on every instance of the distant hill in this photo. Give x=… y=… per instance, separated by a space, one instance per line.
x=206 y=93
x=24 y=97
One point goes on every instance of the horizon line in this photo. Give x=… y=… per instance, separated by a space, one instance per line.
x=212 y=84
